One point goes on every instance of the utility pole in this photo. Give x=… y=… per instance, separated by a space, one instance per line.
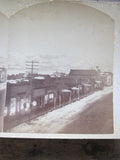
x=32 y=67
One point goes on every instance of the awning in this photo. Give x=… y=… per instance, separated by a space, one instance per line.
x=75 y=88
x=98 y=82
x=65 y=90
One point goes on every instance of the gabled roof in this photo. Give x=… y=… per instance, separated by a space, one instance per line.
x=82 y=72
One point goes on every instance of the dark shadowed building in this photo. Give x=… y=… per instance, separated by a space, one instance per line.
x=83 y=76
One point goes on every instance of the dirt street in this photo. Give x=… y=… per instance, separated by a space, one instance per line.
x=97 y=118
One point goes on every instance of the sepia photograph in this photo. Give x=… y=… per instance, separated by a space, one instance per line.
x=57 y=69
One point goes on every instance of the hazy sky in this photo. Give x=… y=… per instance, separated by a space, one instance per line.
x=61 y=36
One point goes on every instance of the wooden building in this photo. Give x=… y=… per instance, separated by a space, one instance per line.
x=83 y=76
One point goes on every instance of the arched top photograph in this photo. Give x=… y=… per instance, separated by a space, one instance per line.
x=59 y=70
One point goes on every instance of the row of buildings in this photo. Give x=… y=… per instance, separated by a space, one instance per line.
x=43 y=91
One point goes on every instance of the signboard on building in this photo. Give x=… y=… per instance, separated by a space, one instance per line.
x=2 y=75
x=38 y=92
